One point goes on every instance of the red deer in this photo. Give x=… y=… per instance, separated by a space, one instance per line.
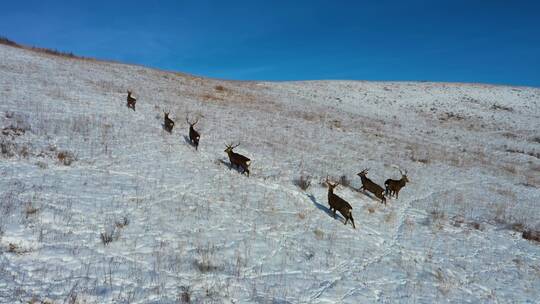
x=393 y=186
x=131 y=101
x=370 y=186
x=168 y=124
x=339 y=204
x=193 y=135
x=238 y=160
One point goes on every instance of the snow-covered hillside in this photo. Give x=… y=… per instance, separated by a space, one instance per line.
x=77 y=164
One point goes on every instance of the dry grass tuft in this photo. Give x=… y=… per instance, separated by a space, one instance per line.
x=503 y=108
x=30 y=210
x=344 y=181
x=206 y=261
x=6 y=41
x=123 y=222
x=220 y=88
x=531 y=235
x=66 y=157
x=319 y=234
x=107 y=237
x=185 y=295
x=16 y=249
x=303 y=182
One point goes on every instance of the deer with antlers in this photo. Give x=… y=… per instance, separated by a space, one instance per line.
x=194 y=136
x=393 y=186
x=168 y=123
x=131 y=101
x=238 y=160
x=339 y=204
x=372 y=187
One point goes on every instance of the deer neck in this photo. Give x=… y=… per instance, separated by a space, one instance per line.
x=330 y=192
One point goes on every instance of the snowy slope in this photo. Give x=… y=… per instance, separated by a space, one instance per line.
x=186 y=227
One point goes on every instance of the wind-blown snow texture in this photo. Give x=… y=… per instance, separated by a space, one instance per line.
x=76 y=162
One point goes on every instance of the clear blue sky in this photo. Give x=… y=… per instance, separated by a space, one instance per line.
x=491 y=41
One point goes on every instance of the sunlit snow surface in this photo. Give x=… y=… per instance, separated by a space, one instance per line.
x=187 y=227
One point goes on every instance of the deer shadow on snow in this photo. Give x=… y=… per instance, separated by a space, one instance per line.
x=324 y=208
x=364 y=192
x=228 y=164
x=189 y=142
x=164 y=127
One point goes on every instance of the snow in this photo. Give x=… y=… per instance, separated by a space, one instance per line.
x=183 y=224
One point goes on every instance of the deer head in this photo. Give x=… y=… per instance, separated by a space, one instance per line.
x=229 y=148
x=191 y=124
x=363 y=173
x=331 y=186
x=404 y=176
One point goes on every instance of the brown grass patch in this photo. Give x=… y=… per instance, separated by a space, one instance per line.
x=66 y=158
x=47 y=51
x=319 y=234
x=220 y=88
x=531 y=235
x=6 y=41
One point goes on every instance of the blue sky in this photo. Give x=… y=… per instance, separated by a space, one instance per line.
x=491 y=41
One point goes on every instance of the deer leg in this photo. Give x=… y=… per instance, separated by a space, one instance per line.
x=346 y=220
x=352 y=221
x=334 y=213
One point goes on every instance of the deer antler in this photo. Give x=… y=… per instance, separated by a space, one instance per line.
x=327 y=181
x=400 y=171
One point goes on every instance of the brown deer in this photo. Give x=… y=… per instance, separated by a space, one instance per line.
x=238 y=160
x=339 y=204
x=393 y=186
x=372 y=187
x=168 y=123
x=193 y=135
x=131 y=101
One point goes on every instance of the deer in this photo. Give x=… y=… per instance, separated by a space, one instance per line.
x=193 y=135
x=131 y=101
x=168 y=123
x=372 y=187
x=393 y=186
x=238 y=160
x=339 y=204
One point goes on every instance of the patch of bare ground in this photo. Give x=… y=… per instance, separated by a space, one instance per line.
x=531 y=235
x=521 y=151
